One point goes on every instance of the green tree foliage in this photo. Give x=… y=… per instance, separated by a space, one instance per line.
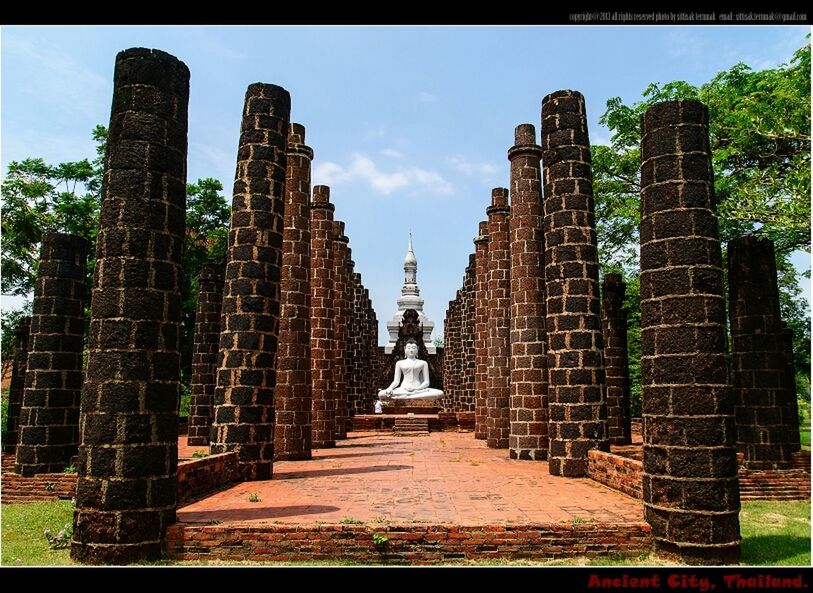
x=39 y=198
x=759 y=128
x=207 y=241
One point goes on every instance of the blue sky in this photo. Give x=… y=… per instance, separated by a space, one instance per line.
x=410 y=125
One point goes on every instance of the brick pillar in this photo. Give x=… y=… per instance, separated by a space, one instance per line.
x=341 y=313
x=616 y=364
x=758 y=359
x=576 y=408
x=204 y=357
x=499 y=321
x=528 y=438
x=481 y=315
x=372 y=387
x=451 y=345
x=357 y=361
x=49 y=416
x=323 y=341
x=246 y=375
x=691 y=494
x=791 y=401
x=17 y=384
x=128 y=454
x=467 y=338
x=292 y=398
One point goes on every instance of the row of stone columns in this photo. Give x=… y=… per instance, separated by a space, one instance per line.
x=459 y=346
x=266 y=373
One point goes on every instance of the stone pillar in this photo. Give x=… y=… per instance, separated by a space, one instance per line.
x=499 y=321
x=292 y=398
x=204 y=357
x=528 y=438
x=467 y=338
x=576 y=406
x=246 y=375
x=323 y=343
x=372 y=388
x=357 y=362
x=451 y=344
x=341 y=313
x=616 y=364
x=481 y=315
x=791 y=400
x=691 y=493
x=17 y=384
x=758 y=359
x=49 y=416
x=128 y=454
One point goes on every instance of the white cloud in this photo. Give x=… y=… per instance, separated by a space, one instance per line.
x=425 y=97
x=391 y=152
x=363 y=168
x=461 y=164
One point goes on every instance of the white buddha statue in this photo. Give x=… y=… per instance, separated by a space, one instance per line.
x=411 y=380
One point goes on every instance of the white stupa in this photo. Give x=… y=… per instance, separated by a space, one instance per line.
x=410 y=299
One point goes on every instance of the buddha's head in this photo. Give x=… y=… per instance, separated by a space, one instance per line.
x=411 y=349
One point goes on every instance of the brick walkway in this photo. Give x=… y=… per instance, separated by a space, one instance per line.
x=447 y=477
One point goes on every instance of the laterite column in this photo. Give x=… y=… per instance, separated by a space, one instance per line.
x=17 y=384
x=246 y=375
x=499 y=321
x=576 y=406
x=467 y=338
x=204 y=357
x=49 y=417
x=481 y=315
x=292 y=397
x=341 y=312
x=128 y=454
x=323 y=341
x=616 y=363
x=758 y=360
x=528 y=438
x=791 y=412
x=691 y=492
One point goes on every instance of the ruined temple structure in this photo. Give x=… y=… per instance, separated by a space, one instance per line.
x=16 y=384
x=286 y=356
x=764 y=394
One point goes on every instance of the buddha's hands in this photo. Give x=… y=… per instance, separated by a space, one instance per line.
x=409 y=388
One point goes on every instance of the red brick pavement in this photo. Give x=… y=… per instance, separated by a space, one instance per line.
x=446 y=478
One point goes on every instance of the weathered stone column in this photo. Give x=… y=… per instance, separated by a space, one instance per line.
x=204 y=357
x=691 y=493
x=499 y=321
x=357 y=360
x=49 y=416
x=323 y=341
x=341 y=313
x=758 y=359
x=467 y=322
x=128 y=454
x=17 y=384
x=246 y=376
x=372 y=346
x=481 y=315
x=616 y=363
x=791 y=412
x=451 y=341
x=292 y=397
x=576 y=406
x=529 y=366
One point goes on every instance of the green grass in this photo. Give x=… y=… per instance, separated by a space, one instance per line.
x=23 y=541
x=774 y=533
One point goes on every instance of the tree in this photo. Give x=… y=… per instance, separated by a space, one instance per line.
x=759 y=128
x=39 y=198
x=207 y=240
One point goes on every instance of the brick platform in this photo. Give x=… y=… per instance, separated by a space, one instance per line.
x=437 y=498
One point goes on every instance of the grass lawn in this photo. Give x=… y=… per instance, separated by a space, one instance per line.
x=23 y=542
x=774 y=533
